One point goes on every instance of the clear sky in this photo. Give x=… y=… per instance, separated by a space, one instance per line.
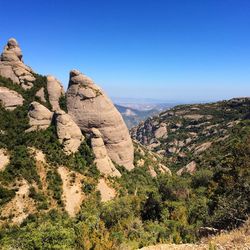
x=183 y=50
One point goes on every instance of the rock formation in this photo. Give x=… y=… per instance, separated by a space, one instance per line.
x=102 y=160
x=189 y=168
x=68 y=132
x=163 y=169
x=161 y=131
x=91 y=108
x=55 y=91
x=40 y=93
x=39 y=116
x=10 y=99
x=12 y=66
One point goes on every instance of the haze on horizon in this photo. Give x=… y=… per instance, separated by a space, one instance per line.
x=185 y=50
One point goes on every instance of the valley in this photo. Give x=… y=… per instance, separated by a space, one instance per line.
x=72 y=175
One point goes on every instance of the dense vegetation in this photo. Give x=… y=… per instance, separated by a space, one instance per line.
x=146 y=211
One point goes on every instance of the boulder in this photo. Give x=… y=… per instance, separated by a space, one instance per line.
x=55 y=91
x=10 y=99
x=12 y=66
x=39 y=117
x=91 y=108
x=68 y=132
x=102 y=160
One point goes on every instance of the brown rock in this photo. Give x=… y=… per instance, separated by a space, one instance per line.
x=72 y=190
x=107 y=193
x=91 y=108
x=163 y=169
x=152 y=171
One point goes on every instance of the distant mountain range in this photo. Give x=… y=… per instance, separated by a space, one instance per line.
x=134 y=113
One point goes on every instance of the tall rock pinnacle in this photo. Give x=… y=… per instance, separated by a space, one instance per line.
x=12 y=66
x=91 y=108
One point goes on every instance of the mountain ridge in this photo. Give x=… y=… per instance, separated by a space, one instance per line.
x=71 y=177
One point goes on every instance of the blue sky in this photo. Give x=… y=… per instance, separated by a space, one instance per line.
x=184 y=50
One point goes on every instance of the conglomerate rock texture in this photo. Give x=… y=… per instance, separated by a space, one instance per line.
x=91 y=108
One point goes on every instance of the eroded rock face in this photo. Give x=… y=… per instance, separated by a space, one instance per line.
x=107 y=193
x=55 y=91
x=102 y=160
x=12 y=66
x=39 y=117
x=19 y=208
x=68 y=132
x=10 y=99
x=72 y=190
x=91 y=108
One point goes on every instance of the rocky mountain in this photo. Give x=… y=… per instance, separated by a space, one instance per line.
x=53 y=142
x=71 y=177
x=185 y=132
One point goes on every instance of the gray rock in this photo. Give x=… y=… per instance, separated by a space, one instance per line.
x=39 y=117
x=40 y=93
x=55 y=91
x=10 y=99
x=12 y=66
x=102 y=160
x=68 y=132
x=91 y=108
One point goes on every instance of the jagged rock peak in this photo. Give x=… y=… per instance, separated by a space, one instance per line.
x=91 y=108
x=12 y=66
x=12 y=51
